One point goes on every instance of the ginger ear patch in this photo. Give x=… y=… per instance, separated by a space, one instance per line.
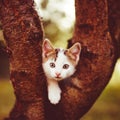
x=74 y=51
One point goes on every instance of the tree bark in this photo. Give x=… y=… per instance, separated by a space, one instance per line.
x=23 y=34
x=97 y=59
x=114 y=22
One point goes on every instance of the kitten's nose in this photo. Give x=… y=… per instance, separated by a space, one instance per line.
x=57 y=74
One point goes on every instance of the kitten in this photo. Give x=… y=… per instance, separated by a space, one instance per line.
x=58 y=64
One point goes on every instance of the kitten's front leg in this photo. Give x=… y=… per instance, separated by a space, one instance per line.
x=54 y=91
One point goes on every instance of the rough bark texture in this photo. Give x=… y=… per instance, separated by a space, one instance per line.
x=97 y=59
x=23 y=34
x=114 y=22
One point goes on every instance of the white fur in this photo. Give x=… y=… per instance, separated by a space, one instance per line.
x=61 y=60
x=54 y=91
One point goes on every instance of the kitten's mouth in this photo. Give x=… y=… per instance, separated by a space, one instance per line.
x=58 y=78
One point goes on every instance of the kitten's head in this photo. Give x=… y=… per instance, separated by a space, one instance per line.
x=58 y=63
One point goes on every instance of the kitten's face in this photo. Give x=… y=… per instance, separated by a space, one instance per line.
x=59 y=64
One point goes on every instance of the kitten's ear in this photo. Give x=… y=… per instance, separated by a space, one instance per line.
x=47 y=47
x=74 y=51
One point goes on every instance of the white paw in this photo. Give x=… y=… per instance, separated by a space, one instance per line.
x=54 y=95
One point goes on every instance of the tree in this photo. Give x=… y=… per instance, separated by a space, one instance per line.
x=114 y=22
x=24 y=34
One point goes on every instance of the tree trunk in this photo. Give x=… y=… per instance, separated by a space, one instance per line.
x=23 y=34
x=114 y=22
x=97 y=59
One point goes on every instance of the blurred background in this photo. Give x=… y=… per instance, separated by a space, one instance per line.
x=58 y=19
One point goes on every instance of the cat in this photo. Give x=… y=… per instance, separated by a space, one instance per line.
x=58 y=64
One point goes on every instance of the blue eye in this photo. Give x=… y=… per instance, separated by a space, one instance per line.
x=52 y=65
x=65 y=66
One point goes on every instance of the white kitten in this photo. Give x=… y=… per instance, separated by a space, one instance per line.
x=58 y=64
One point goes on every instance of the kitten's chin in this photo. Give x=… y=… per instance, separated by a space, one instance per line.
x=58 y=78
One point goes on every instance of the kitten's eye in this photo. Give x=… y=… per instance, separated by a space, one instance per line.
x=65 y=66
x=52 y=65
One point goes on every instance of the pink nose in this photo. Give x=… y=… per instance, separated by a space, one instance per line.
x=57 y=74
